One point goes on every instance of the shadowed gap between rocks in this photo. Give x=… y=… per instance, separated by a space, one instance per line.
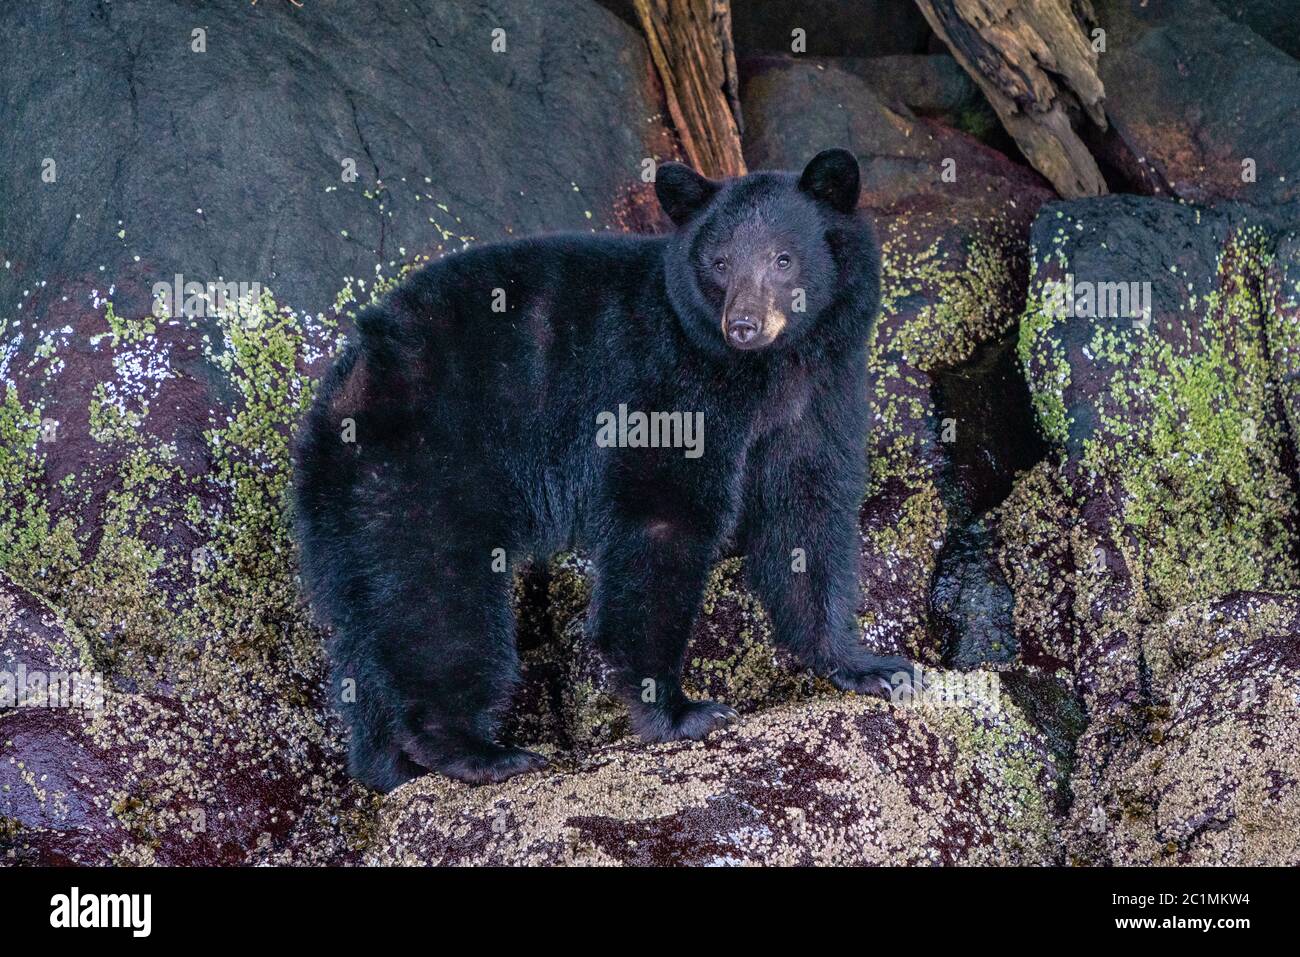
x=985 y=406
x=987 y=424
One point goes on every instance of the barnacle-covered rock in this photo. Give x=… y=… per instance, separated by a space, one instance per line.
x=1211 y=774
x=829 y=781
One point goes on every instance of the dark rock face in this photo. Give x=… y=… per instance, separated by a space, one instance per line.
x=1199 y=102
x=231 y=162
x=830 y=28
x=1277 y=22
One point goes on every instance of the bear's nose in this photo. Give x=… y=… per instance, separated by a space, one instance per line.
x=741 y=330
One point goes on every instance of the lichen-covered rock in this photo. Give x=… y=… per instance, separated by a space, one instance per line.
x=1174 y=463
x=1211 y=772
x=174 y=585
x=1138 y=550
x=831 y=781
x=1282 y=324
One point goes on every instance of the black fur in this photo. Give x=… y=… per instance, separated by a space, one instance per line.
x=476 y=430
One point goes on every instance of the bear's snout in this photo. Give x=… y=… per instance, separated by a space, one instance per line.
x=752 y=323
x=749 y=320
x=742 y=330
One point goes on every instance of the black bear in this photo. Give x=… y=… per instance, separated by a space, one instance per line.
x=653 y=400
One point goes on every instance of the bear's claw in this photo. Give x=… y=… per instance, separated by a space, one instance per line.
x=876 y=675
x=489 y=765
x=693 y=720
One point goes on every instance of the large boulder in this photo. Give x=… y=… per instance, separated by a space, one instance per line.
x=834 y=781
x=275 y=145
x=1202 y=107
x=1173 y=454
x=1136 y=550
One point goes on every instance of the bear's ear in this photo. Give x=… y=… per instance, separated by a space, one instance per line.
x=832 y=178
x=682 y=192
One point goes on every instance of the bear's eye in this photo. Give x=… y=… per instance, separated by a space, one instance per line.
x=783 y=261
x=720 y=265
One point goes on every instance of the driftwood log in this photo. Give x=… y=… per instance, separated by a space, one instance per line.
x=690 y=42
x=1037 y=68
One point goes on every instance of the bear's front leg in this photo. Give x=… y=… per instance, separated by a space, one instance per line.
x=802 y=555
x=651 y=570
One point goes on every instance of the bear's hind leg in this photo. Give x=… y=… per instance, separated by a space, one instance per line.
x=452 y=666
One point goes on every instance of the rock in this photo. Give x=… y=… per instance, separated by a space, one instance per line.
x=1211 y=775
x=830 y=28
x=1282 y=325
x=792 y=106
x=933 y=86
x=833 y=781
x=1275 y=22
x=233 y=764
x=1176 y=457
x=265 y=196
x=1137 y=550
x=1194 y=99
x=143 y=509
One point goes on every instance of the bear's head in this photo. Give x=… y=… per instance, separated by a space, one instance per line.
x=767 y=260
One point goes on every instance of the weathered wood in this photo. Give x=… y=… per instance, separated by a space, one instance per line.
x=690 y=42
x=1036 y=66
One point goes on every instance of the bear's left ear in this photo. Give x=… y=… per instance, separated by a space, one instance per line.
x=682 y=192
x=832 y=178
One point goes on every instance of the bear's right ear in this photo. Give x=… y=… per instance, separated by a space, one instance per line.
x=682 y=192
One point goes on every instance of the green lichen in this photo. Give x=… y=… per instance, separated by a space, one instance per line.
x=966 y=297
x=1192 y=437
x=33 y=542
